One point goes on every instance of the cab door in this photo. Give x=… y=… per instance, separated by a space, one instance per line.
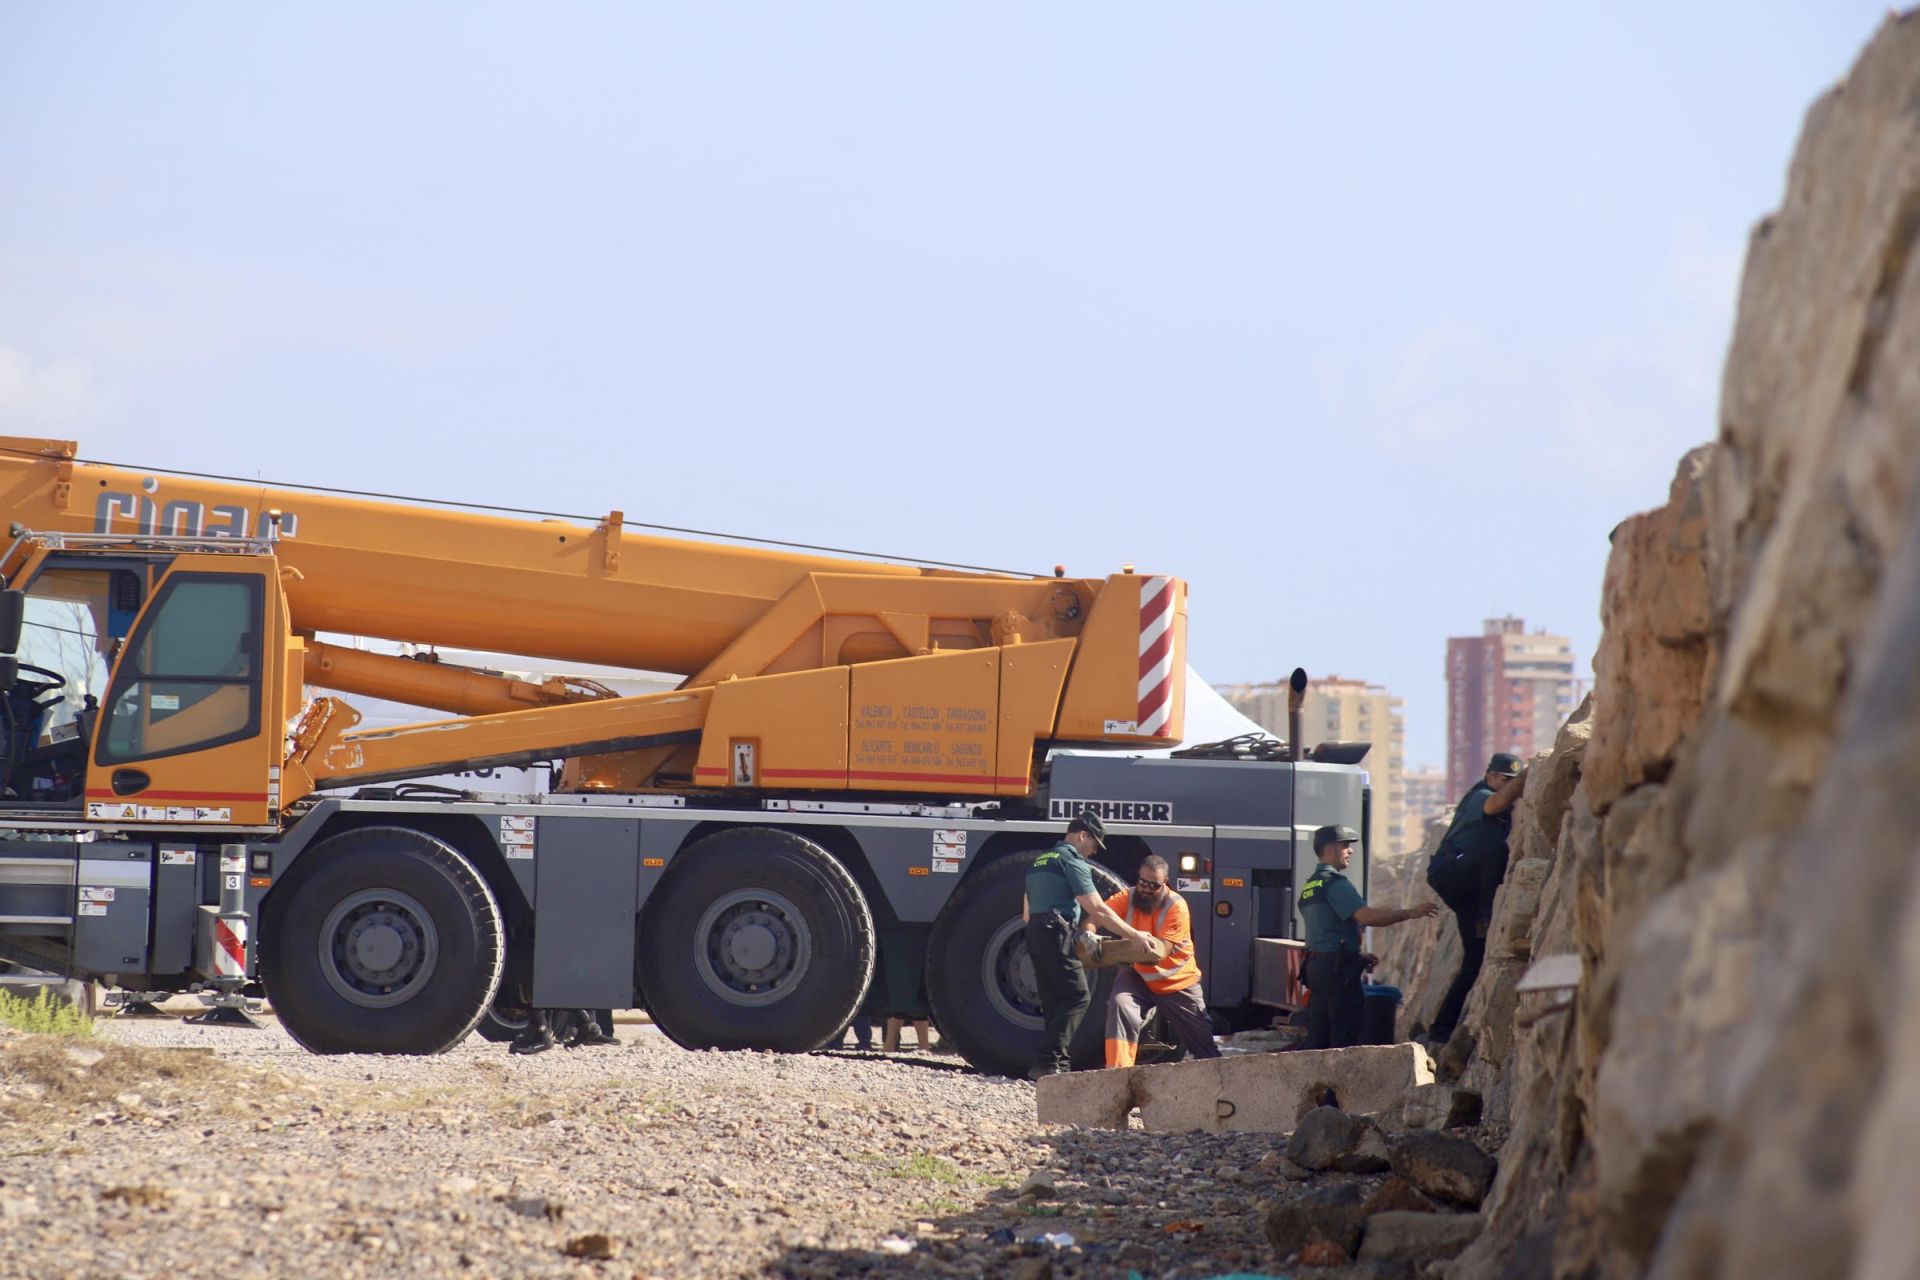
x=189 y=731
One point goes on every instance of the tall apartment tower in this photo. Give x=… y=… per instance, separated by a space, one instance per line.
x=1508 y=689
x=1337 y=709
x=1427 y=796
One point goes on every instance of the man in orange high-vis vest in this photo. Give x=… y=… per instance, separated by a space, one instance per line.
x=1172 y=986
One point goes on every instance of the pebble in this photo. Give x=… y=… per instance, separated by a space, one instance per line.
x=1040 y=1185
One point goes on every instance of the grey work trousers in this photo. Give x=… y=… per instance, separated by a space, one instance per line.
x=1184 y=1012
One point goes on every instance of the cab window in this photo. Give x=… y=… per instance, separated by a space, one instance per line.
x=68 y=637
x=191 y=675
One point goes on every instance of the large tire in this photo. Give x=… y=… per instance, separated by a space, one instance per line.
x=384 y=940
x=755 y=939
x=980 y=979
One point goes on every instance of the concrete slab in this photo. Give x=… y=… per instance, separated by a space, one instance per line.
x=1241 y=1093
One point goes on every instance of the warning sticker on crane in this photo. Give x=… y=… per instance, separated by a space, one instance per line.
x=949 y=851
x=96 y=893
x=517 y=836
x=99 y=812
x=176 y=857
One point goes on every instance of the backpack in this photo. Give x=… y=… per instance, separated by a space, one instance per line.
x=1452 y=876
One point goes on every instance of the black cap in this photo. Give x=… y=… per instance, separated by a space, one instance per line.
x=1090 y=823
x=1333 y=833
x=1504 y=763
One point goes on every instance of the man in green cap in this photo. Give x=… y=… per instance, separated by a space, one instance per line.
x=1059 y=890
x=1335 y=912
x=1478 y=840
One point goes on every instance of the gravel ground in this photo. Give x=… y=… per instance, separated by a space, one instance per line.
x=161 y=1149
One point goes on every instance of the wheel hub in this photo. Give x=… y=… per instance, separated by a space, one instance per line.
x=378 y=947
x=752 y=945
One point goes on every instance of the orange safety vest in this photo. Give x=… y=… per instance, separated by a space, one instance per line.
x=1172 y=923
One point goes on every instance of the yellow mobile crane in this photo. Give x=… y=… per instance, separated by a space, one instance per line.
x=852 y=746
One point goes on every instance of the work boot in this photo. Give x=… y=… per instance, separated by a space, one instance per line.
x=537 y=1038
x=589 y=1033
x=1041 y=1070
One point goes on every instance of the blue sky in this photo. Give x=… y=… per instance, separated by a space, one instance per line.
x=1370 y=324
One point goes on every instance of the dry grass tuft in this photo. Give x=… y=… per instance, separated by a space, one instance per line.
x=61 y=1078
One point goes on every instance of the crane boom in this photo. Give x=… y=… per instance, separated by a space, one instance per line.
x=808 y=672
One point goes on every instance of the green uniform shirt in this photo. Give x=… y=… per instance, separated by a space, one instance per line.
x=1058 y=878
x=1327 y=903
x=1478 y=835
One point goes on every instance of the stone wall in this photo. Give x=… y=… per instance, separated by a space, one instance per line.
x=1727 y=839
x=1411 y=954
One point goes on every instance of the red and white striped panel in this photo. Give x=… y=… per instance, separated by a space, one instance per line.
x=229 y=948
x=1156 y=657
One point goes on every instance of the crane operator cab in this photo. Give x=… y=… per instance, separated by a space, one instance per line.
x=136 y=681
x=64 y=636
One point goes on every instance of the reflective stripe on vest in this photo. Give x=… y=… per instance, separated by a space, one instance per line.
x=1187 y=971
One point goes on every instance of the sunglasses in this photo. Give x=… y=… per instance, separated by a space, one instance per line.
x=1153 y=885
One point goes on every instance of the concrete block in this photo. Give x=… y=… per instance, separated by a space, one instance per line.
x=1091 y=1099
x=1241 y=1093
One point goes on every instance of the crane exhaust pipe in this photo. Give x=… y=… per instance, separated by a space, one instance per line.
x=1296 y=704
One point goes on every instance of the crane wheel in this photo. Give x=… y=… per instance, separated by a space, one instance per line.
x=384 y=940
x=754 y=939
x=980 y=980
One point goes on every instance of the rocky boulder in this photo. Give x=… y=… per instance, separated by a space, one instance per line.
x=1652 y=657
x=1447 y=1168
x=1333 y=1214
x=1397 y=1195
x=1329 y=1138
x=1420 y=1237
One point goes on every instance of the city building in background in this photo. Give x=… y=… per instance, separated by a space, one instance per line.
x=1508 y=689
x=1426 y=796
x=1341 y=710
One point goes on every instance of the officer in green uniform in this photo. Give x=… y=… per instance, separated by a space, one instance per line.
x=1479 y=833
x=1335 y=913
x=1059 y=890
